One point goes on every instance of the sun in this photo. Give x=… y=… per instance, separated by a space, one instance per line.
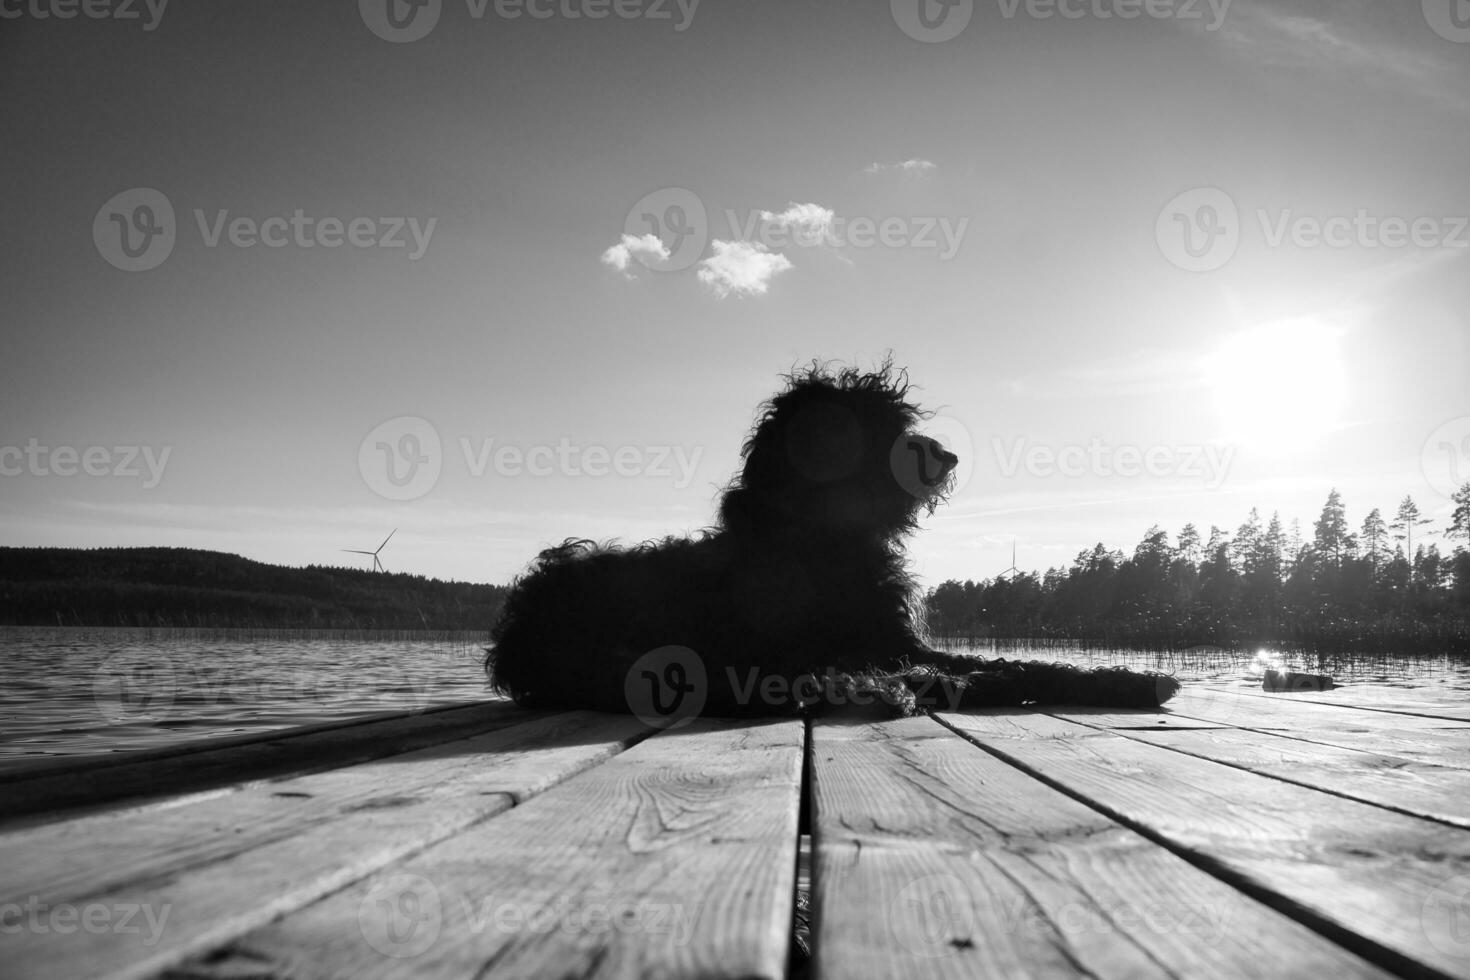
x=1279 y=384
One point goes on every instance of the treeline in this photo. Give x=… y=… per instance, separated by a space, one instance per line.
x=1378 y=589
x=185 y=587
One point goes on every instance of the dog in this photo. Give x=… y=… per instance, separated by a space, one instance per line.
x=797 y=601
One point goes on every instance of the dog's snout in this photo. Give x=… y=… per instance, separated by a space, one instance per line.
x=946 y=458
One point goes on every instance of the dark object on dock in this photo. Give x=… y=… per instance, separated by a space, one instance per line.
x=804 y=578
x=1286 y=680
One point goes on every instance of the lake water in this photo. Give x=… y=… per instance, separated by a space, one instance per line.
x=68 y=691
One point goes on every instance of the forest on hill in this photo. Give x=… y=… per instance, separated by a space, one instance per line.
x=186 y=587
x=1379 y=589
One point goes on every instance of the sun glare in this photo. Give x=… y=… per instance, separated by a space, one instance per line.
x=1279 y=384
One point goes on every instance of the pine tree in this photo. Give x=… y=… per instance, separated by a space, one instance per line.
x=1188 y=548
x=1408 y=518
x=1332 y=540
x=1375 y=540
x=1460 y=520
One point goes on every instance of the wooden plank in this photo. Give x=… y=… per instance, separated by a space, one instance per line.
x=934 y=859
x=1424 y=739
x=1267 y=711
x=676 y=858
x=1446 y=705
x=1408 y=785
x=1381 y=883
x=205 y=872
x=154 y=774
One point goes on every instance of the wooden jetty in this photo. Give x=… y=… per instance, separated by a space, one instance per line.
x=1235 y=834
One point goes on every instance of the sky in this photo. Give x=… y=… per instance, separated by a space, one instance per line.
x=280 y=278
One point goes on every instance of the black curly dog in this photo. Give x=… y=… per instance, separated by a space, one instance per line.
x=798 y=599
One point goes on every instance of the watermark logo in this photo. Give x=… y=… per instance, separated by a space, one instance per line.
x=134 y=685
x=401 y=916
x=914 y=457
x=91 y=9
x=121 y=462
x=135 y=230
x=152 y=684
x=1446 y=456
x=669 y=229
x=666 y=688
x=934 y=916
x=932 y=21
x=1444 y=917
x=1450 y=19
x=400 y=21
x=1199 y=231
x=918 y=465
x=402 y=458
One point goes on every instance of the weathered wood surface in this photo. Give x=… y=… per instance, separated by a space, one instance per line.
x=935 y=859
x=97 y=781
x=1373 y=880
x=1410 y=785
x=208 y=870
x=1442 y=703
x=1426 y=739
x=1235 y=834
x=676 y=858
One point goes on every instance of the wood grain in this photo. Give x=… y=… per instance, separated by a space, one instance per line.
x=1377 y=881
x=676 y=858
x=37 y=795
x=209 y=870
x=1410 y=785
x=935 y=859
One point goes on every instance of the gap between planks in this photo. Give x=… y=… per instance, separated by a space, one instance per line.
x=675 y=858
x=219 y=867
x=1378 y=882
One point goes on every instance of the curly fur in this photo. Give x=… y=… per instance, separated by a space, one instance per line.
x=804 y=575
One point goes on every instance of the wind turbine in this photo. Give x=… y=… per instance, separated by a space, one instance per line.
x=377 y=565
x=1013 y=571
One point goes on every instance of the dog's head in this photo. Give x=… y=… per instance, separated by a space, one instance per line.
x=838 y=450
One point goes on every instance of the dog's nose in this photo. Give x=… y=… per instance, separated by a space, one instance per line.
x=946 y=458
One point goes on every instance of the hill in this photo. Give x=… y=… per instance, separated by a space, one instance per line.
x=190 y=587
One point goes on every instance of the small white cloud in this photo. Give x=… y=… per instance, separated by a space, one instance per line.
x=909 y=168
x=741 y=268
x=811 y=224
x=619 y=255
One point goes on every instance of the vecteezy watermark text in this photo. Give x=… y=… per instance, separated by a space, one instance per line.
x=404 y=21
x=1209 y=463
x=36 y=459
x=934 y=21
x=1201 y=230
x=403 y=458
x=90 y=9
x=568 y=459
x=62 y=918
x=404 y=915
x=136 y=230
x=808 y=226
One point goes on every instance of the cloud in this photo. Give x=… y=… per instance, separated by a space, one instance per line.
x=1349 y=45
x=909 y=168
x=619 y=255
x=741 y=268
x=811 y=224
